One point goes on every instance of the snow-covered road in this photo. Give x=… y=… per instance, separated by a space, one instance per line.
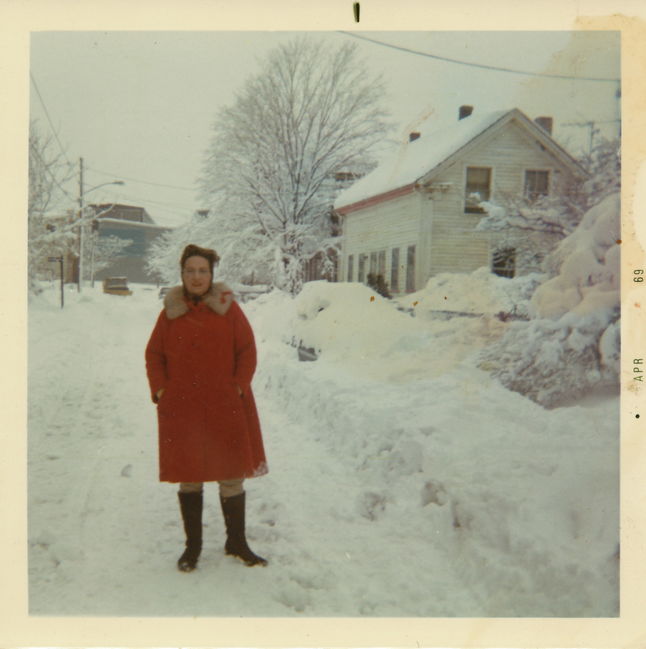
x=440 y=496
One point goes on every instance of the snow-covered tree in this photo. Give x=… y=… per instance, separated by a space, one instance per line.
x=47 y=236
x=571 y=344
x=100 y=252
x=604 y=166
x=243 y=261
x=269 y=175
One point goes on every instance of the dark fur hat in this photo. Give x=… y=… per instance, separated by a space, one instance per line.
x=195 y=251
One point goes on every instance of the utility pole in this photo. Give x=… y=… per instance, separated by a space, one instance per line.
x=93 y=230
x=60 y=261
x=590 y=125
x=81 y=210
x=593 y=130
x=82 y=193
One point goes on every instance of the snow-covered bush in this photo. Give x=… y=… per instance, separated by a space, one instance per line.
x=571 y=345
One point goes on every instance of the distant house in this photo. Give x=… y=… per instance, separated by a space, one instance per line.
x=133 y=224
x=416 y=214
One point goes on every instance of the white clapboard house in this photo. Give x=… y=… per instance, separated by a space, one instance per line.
x=416 y=214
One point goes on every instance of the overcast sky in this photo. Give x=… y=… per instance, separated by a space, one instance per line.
x=138 y=106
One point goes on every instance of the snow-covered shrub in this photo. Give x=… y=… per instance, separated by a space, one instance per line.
x=571 y=345
x=378 y=284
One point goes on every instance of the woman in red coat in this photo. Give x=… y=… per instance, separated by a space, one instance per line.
x=200 y=360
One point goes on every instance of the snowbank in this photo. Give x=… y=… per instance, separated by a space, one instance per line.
x=392 y=492
x=480 y=292
x=587 y=267
x=572 y=344
x=350 y=324
x=521 y=501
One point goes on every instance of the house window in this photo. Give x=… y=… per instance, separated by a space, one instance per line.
x=373 y=262
x=344 y=176
x=381 y=264
x=537 y=184
x=350 y=267
x=394 y=270
x=504 y=262
x=362 y=268
x=410 y=269
x=478 y=188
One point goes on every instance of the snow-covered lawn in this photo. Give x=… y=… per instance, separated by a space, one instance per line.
x=403 y=481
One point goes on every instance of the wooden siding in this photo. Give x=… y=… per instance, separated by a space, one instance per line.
x=436 y=223
x=456 y=246
x=382 y=227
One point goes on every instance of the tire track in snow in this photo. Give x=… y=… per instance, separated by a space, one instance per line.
x=81 y=377
x=57 y=387
x=342 y=517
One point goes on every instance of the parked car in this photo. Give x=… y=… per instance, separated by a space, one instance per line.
x=162 y=292
x=116 y=286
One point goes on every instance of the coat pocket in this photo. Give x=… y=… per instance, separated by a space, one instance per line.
x=166 y=399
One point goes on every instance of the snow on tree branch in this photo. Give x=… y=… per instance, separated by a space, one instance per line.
x=47 y=173
x=270 y=168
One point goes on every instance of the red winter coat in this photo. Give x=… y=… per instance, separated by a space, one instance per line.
x=201 y=354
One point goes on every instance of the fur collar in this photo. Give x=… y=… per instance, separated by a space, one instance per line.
x=218 y=298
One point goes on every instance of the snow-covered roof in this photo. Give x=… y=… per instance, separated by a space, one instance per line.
x=416 y=159
x=132 y=224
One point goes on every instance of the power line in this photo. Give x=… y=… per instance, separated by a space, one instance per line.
x=595 y=121
x=177 y=213
x=153 y=202
x=137 y=180
x=53 y=178
x=51 y=125
x=478 y=65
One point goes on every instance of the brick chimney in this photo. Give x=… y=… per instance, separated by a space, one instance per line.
x=465 y=111
x=545 y=123
x=413 y=136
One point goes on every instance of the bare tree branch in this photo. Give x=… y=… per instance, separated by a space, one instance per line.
x=308 y=114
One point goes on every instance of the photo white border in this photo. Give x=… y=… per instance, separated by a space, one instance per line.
x=17 y=20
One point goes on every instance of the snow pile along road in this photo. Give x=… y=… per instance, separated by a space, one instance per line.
x=480 y=292
x=403 y=482
x=521 y=502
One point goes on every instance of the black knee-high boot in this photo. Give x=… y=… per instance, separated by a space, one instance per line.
x=191 y=507
x=233 y=509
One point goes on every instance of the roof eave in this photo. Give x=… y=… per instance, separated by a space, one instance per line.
x=534 y=129
x=557 y=150
x=376 y=199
